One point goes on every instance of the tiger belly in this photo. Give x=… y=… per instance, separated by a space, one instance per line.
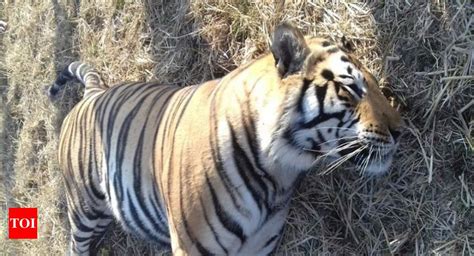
x=265 y=239
x=136 y=204
x=128 y=176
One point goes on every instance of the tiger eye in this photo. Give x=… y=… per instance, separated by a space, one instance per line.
x=387 y=91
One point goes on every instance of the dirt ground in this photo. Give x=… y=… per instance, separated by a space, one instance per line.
x=422 y=50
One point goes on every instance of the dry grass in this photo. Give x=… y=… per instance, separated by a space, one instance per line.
x=423 y=50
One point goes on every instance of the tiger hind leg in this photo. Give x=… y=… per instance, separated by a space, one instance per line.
x=99 y=231
x=86 y=226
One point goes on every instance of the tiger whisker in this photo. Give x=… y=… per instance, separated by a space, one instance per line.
x=342 y=160
x=338 y=139
x=342 y=147
x=334 y=150
x=362 y=164
x=379 y=159
x=322 y=157
x=335 y=140
x=367 y=160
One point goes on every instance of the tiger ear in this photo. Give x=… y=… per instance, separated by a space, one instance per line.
x=289 y=49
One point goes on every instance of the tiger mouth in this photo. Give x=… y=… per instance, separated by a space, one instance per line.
x=367 y=154
x=373 y=156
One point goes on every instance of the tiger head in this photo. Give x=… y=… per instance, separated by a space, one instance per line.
x=336 y=110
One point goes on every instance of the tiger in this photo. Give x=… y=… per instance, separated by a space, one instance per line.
x=210 y=169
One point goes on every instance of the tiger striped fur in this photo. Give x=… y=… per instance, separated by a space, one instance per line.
x=209 y=169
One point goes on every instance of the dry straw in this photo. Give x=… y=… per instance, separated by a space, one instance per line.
x=422 y=50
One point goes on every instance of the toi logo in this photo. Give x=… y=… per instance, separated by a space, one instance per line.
x=22 y=223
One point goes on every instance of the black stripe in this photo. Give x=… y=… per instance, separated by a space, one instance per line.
x=343 y=98
x=72 y=187
x=178 y=108
x=167 y=129
x=92 y=160
x=246 y=171
x=288 y=135
x=137 y=221
x=119 y=97
x=79 y=251
x=214 y=233
x=346 y=77
x=80 y=239
x=354 y=121
x=78 y=223
x=355 y=90
x=337 y=86
x=341 y=121
x=167 y=134
x=221 y=172
x=322 y=118
x=315 y=146
x=288 y=131
x=122 y=135
x=304 y=88
x=271 y=240
x=118 y=187
x=168 y=92
x=321 y=137
x=217 y=158
x=159 y=115
x=137 y=170
x=202 y=250
x=121 y=145
x=223 y=216
x=81 y=120
x=321 y=95
x=101 y=112
x=157 y=210
x=253 y=141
